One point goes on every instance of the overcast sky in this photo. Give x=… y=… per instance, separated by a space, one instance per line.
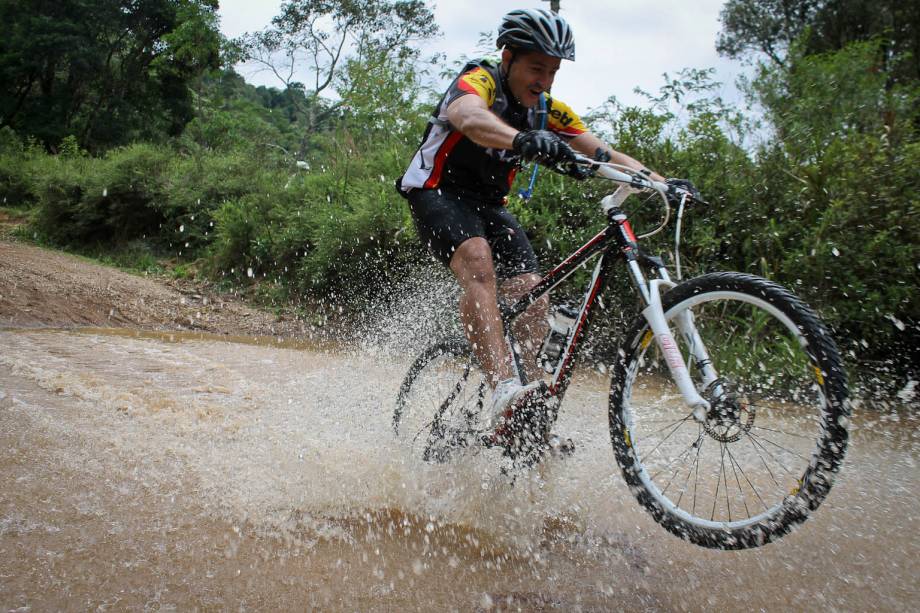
x=620 y=44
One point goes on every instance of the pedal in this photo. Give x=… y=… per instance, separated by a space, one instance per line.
x=523 y=420
x=524 y=434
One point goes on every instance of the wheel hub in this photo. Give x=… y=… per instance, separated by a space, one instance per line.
x=729 y=416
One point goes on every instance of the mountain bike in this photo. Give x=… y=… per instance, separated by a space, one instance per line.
x=727 y=406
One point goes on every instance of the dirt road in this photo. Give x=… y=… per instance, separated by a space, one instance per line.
x=166 y=471
x=44 y=288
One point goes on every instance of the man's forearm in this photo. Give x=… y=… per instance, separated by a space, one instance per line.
x=485 y=129
x=470 y=116
x=625 y=160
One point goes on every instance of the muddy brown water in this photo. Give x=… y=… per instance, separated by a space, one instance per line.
x=162 y=472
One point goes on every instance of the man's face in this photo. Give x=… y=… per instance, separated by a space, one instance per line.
x=530 y=74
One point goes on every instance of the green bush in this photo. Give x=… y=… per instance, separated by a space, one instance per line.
x=15 y=186
x=112 y=199
x=20 y=162
x=59 y=189
x=199 y=186
x=129 y=192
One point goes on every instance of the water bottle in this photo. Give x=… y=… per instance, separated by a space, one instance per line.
x=561 y=322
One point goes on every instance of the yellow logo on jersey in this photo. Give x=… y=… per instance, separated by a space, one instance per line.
x=563 y=117
x=479 y=82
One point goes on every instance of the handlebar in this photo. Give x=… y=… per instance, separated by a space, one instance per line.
x=633 y=179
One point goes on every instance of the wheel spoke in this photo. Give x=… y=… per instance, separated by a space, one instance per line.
x=688 y=450
x=807 y=438
x=696 y=479
x=735 y=469
x=715 y=498
x=674 y=422
x=669 y=420
x=670 y=434
x=690 y=472
x=778 y=446
x=761 y=447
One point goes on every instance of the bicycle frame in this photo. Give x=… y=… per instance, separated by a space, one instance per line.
x=616 y=241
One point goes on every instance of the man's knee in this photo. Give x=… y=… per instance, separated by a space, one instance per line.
x=472 y=262
x=516 y=287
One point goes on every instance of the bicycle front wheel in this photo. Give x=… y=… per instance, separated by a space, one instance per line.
x=744 y=472
x=439 y=407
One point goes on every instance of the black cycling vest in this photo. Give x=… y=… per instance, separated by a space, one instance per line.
x=482 y=172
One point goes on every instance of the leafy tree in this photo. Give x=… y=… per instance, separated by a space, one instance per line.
x=231 y=114
x=844 y=167
x=307 y=43
x=838 y=184
x=765 y=26
x=106 y=71
x=770 y=27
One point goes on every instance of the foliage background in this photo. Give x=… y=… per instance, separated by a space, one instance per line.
x=210 y=183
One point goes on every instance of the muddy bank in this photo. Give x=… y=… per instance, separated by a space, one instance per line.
x=45 y=288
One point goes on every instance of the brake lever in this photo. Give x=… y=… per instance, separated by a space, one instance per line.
x=568 y=168
x=691 y=200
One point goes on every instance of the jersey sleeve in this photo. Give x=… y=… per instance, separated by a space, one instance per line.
x=562 y=119
x=476 y=81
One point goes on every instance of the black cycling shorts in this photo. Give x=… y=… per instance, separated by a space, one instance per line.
x=444 y=220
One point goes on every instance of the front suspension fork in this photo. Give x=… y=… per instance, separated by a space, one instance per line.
x=654 y=315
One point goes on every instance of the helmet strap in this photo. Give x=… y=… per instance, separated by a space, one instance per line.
x=507 y=72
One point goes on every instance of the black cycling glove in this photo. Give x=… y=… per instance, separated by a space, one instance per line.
x=683 y=185
x=543 y=147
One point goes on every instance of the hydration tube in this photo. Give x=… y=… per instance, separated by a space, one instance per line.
x=525 y=194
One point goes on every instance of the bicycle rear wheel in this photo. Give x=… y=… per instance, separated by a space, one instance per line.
x=439 y=407
x=765 y=455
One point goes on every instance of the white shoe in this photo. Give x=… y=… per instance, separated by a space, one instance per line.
x=503 y=397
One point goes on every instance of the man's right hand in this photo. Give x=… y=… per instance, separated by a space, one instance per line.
x=543 y=147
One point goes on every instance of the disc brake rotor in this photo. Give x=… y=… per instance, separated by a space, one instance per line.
x=729 y=416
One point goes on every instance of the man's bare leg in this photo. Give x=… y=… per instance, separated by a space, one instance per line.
x=531 y=326
x=479 y=313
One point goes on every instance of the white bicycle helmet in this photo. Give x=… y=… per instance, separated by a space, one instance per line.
x=537 y=30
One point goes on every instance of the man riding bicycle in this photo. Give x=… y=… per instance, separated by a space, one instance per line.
x=483 y=128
